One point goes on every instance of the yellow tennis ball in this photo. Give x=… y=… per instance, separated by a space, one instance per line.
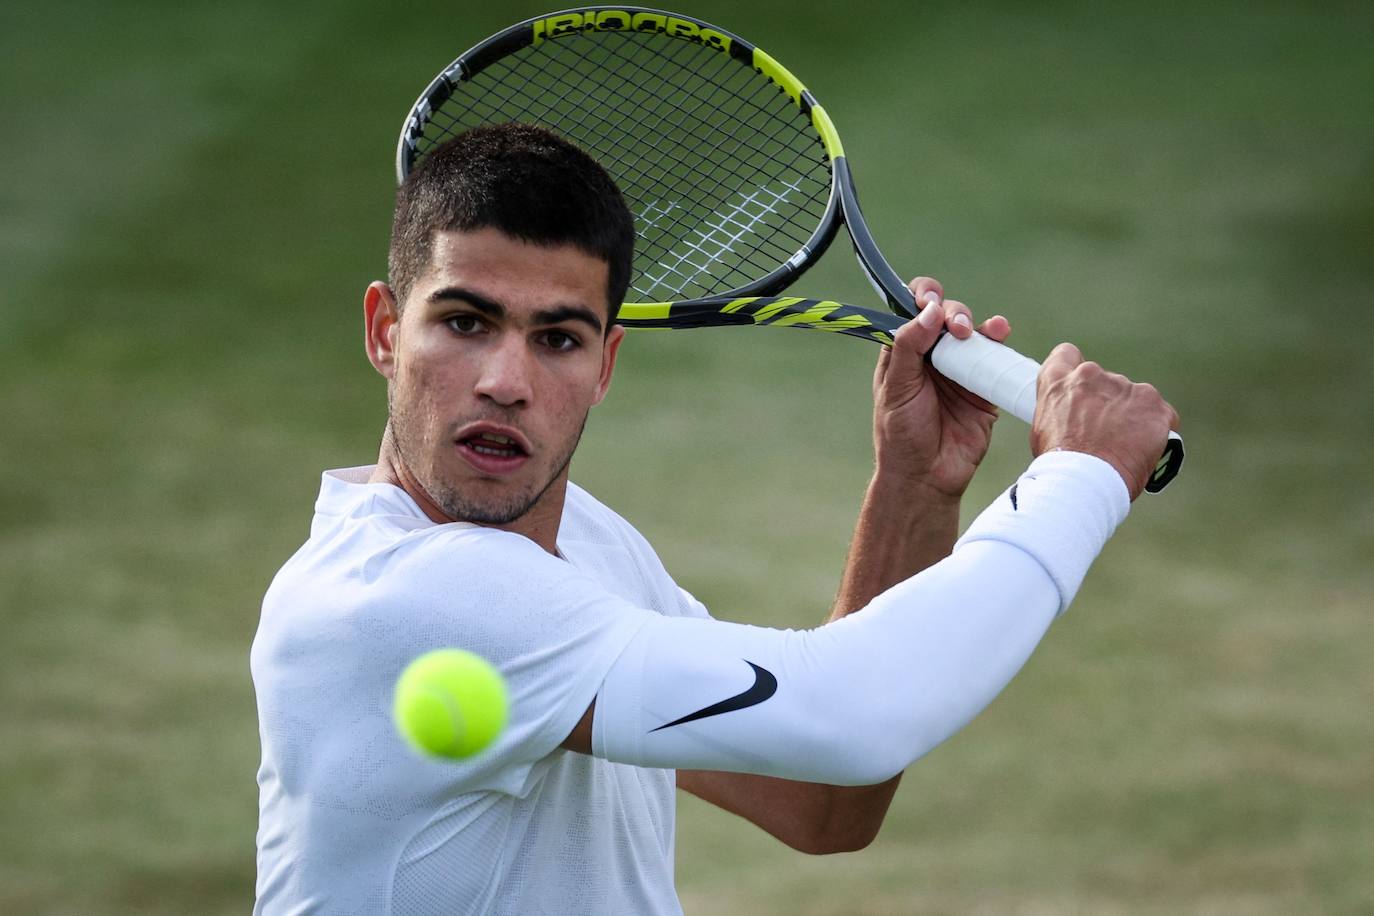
x=450 y=703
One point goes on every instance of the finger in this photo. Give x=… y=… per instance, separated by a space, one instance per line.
x=958 y=319
x=906 y=365
x=925 y=328
x=995 y=328
x=922 y=288
x=1060 y=362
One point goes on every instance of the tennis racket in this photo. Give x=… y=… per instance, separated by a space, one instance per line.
x=735 y=174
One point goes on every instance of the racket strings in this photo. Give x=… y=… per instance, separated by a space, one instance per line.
x=726 y=177
x=699 y=248
x=652 y=125
x=638 y=99
x=713 y=240
x=725 y=239
x=666 y=269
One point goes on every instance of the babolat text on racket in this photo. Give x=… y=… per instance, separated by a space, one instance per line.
x=734 y=172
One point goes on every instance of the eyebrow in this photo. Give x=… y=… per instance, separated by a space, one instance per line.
x=494 y=309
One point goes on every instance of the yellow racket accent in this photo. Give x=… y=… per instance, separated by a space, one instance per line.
x=765 y=64
x=780 y=312
x=645 y=311
x=610 y=20
x=826 y=128
x=767 y=312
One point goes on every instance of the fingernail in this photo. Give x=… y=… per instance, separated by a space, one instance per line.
x=932 y=298
x=930 y=316
x=962 y=321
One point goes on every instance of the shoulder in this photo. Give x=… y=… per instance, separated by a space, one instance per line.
x=375 y=578
x=586 y=518
x=606 y=546
x=579 y=505
x=378 y=604
x=484 y=573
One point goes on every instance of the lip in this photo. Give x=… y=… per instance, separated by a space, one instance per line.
x=492 y=465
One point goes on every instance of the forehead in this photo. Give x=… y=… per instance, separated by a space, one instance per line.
x=514 y=272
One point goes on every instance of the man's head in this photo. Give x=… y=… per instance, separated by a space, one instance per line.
x=526 y=181
x=510 y=254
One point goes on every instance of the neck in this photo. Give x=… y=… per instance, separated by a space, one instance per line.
x=539 y=524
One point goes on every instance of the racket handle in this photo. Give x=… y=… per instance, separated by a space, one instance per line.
x=999 y=374
x=990 y=370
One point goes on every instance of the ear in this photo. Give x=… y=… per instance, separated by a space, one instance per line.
x=608 y=354
x=381 y=322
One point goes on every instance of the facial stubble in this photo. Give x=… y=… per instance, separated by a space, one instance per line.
x=457 y=505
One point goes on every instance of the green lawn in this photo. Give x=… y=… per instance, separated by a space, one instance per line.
x=195 y=196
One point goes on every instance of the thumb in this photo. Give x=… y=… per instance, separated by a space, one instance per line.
x=906 y=368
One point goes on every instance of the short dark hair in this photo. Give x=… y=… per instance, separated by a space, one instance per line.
x=524 y=180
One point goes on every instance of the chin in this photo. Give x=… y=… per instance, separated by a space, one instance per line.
x=493 y=510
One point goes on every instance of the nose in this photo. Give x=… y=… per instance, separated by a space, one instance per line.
x=504 y=372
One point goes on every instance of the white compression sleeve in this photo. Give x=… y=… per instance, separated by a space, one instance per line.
x=858 y=700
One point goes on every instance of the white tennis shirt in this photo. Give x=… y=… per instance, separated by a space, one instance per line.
x=353 y=821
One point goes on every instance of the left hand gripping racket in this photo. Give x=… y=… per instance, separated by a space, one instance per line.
x=735 y=175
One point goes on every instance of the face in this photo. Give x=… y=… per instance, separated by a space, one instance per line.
x=497 y=355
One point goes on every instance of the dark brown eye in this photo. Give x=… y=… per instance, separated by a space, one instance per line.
x=464 y=324
x=560 y=341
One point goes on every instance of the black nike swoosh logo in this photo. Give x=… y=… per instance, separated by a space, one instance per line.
x=764 y=686
x=1013 y=493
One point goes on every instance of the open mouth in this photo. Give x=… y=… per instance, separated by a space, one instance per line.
x=491 y=452
x=493 y=444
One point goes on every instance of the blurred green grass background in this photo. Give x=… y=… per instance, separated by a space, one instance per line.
x=195 y=194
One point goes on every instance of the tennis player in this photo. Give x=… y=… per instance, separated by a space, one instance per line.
x=510 y=252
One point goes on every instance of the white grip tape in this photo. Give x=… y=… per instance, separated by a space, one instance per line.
x=993 y=372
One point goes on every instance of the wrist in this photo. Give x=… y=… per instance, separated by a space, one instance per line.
x=1061 y=511
x=914 y=511
x=913 y=489
x=1134 y=480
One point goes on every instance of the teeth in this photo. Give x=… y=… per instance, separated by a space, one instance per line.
x=493 y=444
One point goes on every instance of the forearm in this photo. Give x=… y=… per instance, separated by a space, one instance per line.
x=902 y=529
x=856 y=701
x=852 y=703
x=810 y=817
